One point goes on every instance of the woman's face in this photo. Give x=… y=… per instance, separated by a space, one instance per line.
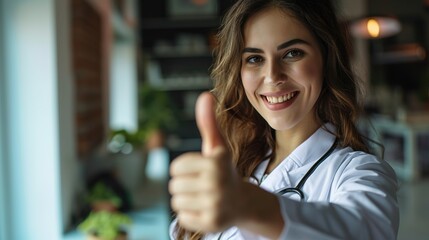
x=282 y=69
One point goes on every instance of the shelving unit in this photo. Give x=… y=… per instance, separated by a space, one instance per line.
x=177 y=56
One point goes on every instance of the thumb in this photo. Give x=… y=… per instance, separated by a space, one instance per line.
x=206 y=122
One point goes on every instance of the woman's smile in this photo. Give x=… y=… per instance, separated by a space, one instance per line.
x=277 y=102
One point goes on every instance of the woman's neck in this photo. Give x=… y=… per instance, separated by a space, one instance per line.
x=288 y=140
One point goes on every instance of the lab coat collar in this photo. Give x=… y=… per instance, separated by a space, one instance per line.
x=314 y=147
x=291 y=169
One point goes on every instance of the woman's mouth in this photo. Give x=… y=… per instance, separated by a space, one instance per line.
x=280 y=99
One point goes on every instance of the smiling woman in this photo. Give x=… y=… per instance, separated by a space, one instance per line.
x=280 y=120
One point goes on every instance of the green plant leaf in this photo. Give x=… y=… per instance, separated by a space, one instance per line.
x=106 y=224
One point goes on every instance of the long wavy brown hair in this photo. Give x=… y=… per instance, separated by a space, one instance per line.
x=247 y=134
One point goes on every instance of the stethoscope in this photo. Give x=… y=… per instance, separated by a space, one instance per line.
x=298 y=189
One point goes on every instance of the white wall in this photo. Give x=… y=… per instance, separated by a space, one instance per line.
x=31 y=111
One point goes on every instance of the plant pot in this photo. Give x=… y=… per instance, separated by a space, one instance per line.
x=121 y=236
x=92 y=237
x=104 y=206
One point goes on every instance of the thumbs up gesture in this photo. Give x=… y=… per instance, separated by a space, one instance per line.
x=204 y=186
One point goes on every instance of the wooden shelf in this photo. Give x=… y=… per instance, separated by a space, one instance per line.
x=168 y=23
x=176 y=54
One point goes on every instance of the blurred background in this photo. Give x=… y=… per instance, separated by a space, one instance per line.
x=97 y=97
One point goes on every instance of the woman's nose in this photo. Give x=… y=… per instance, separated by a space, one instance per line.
x=274 y=72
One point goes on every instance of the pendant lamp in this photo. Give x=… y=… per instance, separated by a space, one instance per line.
x=375 y=27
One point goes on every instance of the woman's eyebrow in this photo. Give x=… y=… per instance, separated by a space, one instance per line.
x=292 y=42
x=280 y=47
x=252 y=50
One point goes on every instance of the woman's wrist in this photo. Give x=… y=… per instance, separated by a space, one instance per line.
x=258 y=211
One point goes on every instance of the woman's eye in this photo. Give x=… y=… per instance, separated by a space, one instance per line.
x=254 y=59
x=294 y=53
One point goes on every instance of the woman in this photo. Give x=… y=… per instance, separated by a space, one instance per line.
x=282 y=158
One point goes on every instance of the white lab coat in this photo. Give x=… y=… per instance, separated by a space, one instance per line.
x=351 y=195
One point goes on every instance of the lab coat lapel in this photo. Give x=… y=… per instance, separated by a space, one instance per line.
x=291 y=170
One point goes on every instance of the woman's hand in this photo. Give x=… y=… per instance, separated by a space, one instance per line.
x=207 y=193
x=205 y=188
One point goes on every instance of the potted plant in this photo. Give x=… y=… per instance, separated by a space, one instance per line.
x=156 y=115
x=105 y=225
x=105 y=219
x=101 y=197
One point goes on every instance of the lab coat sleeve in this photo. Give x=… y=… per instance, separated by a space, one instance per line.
x=171 y=229
x=362 y=205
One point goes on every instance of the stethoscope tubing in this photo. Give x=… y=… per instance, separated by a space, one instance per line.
x=298 y=189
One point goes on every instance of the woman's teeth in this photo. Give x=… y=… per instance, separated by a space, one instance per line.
x=280 y=99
